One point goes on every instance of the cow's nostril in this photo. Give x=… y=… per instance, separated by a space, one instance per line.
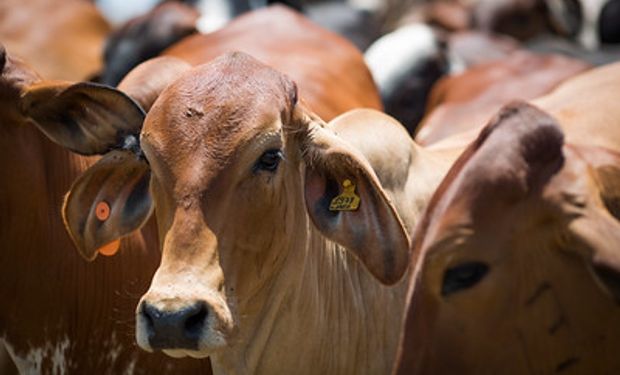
x=195 y=323
x=149 y=313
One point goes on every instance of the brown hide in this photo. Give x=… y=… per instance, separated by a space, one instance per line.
x=60 y=313
x=317 y=60
x=466 y=101
x=517 y=255
x=60 y=39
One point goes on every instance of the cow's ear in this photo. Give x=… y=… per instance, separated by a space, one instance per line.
x=347 y=204
x=146 y=81
x=85 y=117
x=110 y=200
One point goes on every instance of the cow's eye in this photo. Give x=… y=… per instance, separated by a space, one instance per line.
x=462 y=277
x=269 y=160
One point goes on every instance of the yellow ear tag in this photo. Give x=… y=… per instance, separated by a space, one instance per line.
x=348 y=200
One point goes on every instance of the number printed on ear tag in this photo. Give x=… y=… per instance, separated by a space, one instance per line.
x=348 y=200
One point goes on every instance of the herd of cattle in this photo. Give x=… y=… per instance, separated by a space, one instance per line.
x=270 y=200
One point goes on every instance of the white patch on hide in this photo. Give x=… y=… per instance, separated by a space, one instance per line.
x=32 y=361
x=214 y=14
x=391 y=57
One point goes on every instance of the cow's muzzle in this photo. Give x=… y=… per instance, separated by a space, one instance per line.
x=178 y=328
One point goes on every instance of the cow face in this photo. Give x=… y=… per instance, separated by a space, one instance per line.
x=236 y=164
x=518 y=257
x=220 y=175
x=243 y=179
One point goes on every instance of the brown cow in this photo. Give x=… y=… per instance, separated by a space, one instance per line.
x=267 y=217
x=262 y=267
x=464 y=102
x=60 y=39
x=517 y=256
x=46 y=103
x=60 y=314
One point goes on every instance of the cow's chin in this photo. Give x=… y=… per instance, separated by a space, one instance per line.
x=182 y=353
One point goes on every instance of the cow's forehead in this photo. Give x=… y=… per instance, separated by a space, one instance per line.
x=226 y=98
x=204 y=116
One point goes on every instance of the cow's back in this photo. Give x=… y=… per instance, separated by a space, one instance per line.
x=466 y=101
x=61 y=39
x=587 y=107
x=329 y=71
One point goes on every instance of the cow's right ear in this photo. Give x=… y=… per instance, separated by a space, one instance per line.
x=347 y=204
x=85 y=117
x=108 y=201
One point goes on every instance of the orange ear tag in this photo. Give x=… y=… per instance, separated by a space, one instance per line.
x=347 y=200
x=110 y=249
x=102 y=212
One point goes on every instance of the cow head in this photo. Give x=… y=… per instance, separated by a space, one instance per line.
x=244 y=180
x=518 y=256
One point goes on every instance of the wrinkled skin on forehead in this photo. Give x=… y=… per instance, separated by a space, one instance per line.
x=517 y=257
x=204 y=118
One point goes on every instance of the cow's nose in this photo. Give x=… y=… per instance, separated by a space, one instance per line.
x=174 y=329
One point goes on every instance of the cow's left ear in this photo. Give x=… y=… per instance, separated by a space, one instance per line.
x=108 y=201
x=85 y=117
x=347 y=204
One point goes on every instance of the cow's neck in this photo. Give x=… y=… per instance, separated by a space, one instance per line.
x=323 y=309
